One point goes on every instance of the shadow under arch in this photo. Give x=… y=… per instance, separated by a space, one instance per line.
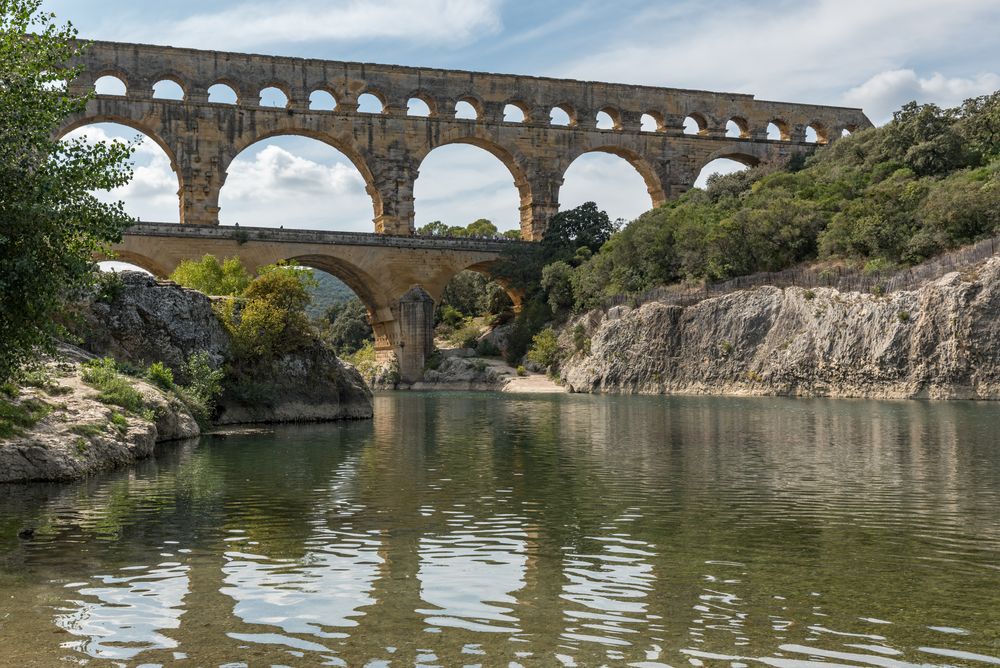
x=737 y=154
x=349 y=151
x=653 y=183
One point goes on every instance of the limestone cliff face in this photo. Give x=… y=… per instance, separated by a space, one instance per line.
x=941 y=342
x=146 y=320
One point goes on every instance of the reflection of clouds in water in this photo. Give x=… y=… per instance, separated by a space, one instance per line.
x=607 y=590
x=323 y=589
x=131 y=612
x=469 y=574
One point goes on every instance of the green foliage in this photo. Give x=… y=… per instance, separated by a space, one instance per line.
x=17 y=417
x=204 y=385
x=478 y=228
x=927 y=182
x=580 y=339
x=521 y=371
x=466 y=336
x=349 y=327
x=270 y=319
x=113 y=387
x=530 y=321
x=545 y=348
x=51 y=223
x=487 y=348
x=450 y=316
x=208 y=275
x=329 y=292
x=557 y=282
x=120 y=422
x=109 y=286
x=160 y=375
x=903 y=316
x=91 y=429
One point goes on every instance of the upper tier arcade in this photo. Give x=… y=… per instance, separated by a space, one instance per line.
x=202 y=137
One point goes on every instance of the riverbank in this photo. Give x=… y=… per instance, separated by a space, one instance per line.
x=462 y=370
x=941 y=341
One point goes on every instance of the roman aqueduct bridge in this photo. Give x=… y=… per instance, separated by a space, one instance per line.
x=513 y=121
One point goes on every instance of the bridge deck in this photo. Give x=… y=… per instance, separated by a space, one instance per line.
x=269 y=234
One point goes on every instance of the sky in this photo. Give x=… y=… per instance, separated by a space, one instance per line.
x=873 y=54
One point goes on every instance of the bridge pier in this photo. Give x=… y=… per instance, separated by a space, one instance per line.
x=416 y=333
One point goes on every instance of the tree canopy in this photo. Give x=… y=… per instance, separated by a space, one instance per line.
x=51 y=224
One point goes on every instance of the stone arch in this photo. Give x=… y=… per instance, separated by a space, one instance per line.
x=485 y=268
x=783 y=130
x=378 y=95
x=361 y=282
x=517 y=105
x=700 y=124
x=112 y=77
x=127 y=122
x=149 y=264
x=316 y=97
x=472 y=101
x=279 y=86
x=112 y=71
x=424 y=97
x=820 y=129
x=567 y=109
x=354 y=154
x=612 y=114
x=652 y=121
x=229 y=83
x=654 y=185
x=172 y=77
x=512 y=160
x=737 y=127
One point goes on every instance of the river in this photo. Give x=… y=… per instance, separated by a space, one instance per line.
x=506 y=530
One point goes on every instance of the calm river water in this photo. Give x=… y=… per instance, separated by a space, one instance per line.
x=497 y=530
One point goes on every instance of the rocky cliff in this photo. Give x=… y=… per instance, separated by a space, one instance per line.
x=142 y=320
x=941 y=342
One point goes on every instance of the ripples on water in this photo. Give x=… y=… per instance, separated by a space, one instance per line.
x=464 y=530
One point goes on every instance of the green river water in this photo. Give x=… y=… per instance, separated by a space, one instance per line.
x=505 y=530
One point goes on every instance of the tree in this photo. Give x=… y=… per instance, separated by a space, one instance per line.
x=557 y=281
x=208 y=275
x=585 y=226
x=270 y=318
x=349 y=327
x=481 y=228
x=434 y=228
x=51 y=225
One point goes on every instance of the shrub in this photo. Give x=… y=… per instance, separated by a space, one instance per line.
x=580 y=339
x=113 y=388
x=120 y=422
x=903 y=316
x=203 y=387
x=16 y=417
x=487 y=348
x=465 y=337
x=271 y=319
x=208 y=275
x=545 y=348
x=521 y=371
x=809 y=295
x=450 y=316
x=160 y=375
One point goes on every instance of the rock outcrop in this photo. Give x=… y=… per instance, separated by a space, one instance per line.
x=940 y=342
x=77 y=434
x=144 y=320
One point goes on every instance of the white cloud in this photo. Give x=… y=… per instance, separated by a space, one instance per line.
x=803 y=51
x=252 y=26
x=887 y=91
x=271 y=186
x=608 y=181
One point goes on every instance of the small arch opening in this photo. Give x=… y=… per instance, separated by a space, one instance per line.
x=561 y=115
x=110 y=85
x=738 y=128
x=416 y=106
x=369 y=103
x=695 y=124
x=513 y=113
x=649 y=123
x=168 y=89
x=606 y=121
x=777 y=130
x=815 y=134
x=273 y=97
x=848 y=131
x=221 y=93
x=466 y=110
x=322 y=100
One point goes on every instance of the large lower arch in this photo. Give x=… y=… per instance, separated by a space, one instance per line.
x=156 y=177
x=616 y=186
x=149 y=264
x=504 y=214
x=308 y=171
x=725 y=162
